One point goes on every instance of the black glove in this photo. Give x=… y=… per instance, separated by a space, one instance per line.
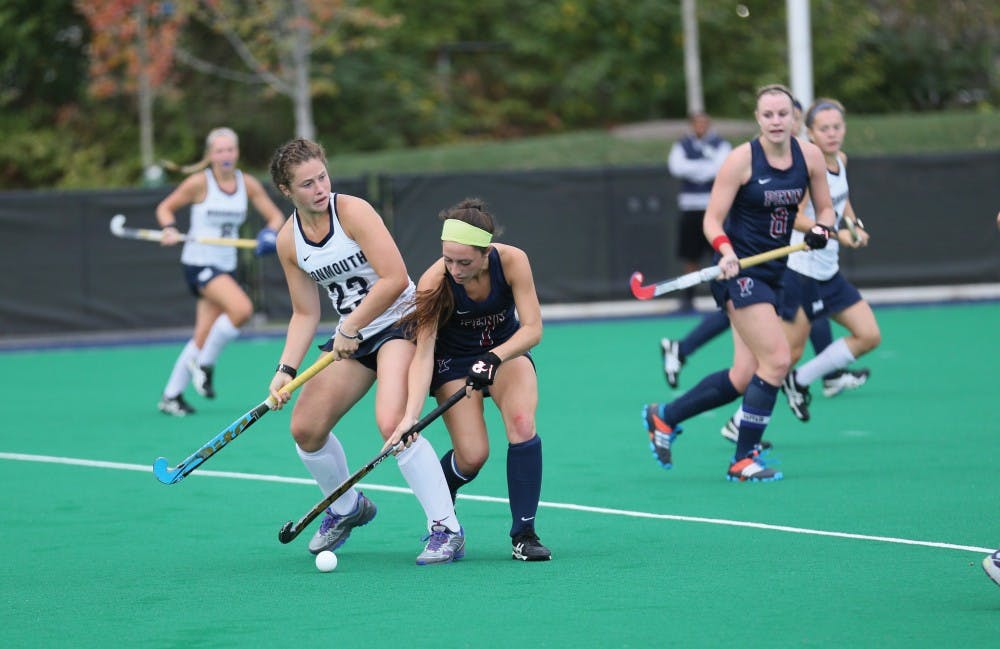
x=817 y=236
x=483 y=371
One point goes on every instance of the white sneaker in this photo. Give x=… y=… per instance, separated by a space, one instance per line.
x=991 y=564
x=443 y=546
x=671 y=351
x=335 y=528
x=798 y=396
x=175 y=406
x=201 y=379
x=845 y=380
x=731 y=431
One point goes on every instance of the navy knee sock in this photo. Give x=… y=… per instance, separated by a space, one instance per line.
x=524 y=483
x=711 y=392
x=451 y=474
x=710 y=326
x=758 y=404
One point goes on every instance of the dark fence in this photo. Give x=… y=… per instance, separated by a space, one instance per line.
x=932 y=220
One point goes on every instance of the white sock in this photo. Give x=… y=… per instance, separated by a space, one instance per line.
x=222 y=332
x=180 y=375
x=328 y=467
x=834 y=357
x=422 y=469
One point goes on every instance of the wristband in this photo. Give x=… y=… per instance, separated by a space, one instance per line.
x=168 y=226
x=718 y=241
x=287 y=369
x=356 y=336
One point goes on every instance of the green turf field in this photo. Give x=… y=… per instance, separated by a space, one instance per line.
x=874 y=538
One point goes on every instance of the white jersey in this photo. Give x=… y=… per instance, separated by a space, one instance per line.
x=220 y=215
x=339 y=265
x=823 y=263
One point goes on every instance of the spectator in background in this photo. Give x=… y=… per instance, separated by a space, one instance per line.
x=694 y=160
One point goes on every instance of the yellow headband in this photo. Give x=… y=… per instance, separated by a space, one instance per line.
x=462 y=232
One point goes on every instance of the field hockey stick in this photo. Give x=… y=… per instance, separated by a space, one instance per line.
x=852 y=228
x=167 y=475
x=119 y=230
x=704 y=275
x=290 y=530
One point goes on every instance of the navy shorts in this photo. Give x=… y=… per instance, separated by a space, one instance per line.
x=818 y=298
x=451 y=368
x=198 y=276
x=745 y=291
x=367 y=352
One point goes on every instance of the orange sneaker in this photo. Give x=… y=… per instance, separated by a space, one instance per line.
x=752 y=469
x=661 y=434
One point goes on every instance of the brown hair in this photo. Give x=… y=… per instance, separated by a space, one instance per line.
x=821 y=104
x=291 y=154
x=204 y=162
x=432 y=308
x=774 y=88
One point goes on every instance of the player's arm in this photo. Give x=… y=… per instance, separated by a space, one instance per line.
x=845 y=236
x=735 y=171
x=192 y=189
x=517 y=269
x=305 y=314
x=422 y=365
x=263 y=203
x=802 y=220
x=819 y=189
x=817 y=236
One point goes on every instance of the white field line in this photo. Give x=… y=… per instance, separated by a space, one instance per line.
x=22 y=457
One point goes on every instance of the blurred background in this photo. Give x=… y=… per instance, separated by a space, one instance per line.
x=560 y=114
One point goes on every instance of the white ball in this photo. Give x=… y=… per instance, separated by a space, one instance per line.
x=326 y=561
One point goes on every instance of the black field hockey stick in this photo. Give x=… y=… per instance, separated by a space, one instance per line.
x=118 y=229
x=704 y=275
x=167 y=475
x=292 y=529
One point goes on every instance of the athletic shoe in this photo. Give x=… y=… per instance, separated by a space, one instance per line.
x=175 y=406
x=661 y=434
x=991 y=564
x=335 y=529
x=671 y=352
x=527 y=547
x=443 y=546
x=752 y=469
x=731 y=431
x=845 y=380
x=798 y=396
x=201 y=379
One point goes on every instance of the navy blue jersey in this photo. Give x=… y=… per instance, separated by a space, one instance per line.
x=477 y=327
x=764 y=210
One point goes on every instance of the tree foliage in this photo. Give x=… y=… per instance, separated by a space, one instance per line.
x=393 y=73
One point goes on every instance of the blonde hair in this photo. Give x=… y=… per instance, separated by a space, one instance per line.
x=222 y=131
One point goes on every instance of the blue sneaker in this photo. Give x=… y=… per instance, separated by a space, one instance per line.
x=335 y=529
x=661 y=434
